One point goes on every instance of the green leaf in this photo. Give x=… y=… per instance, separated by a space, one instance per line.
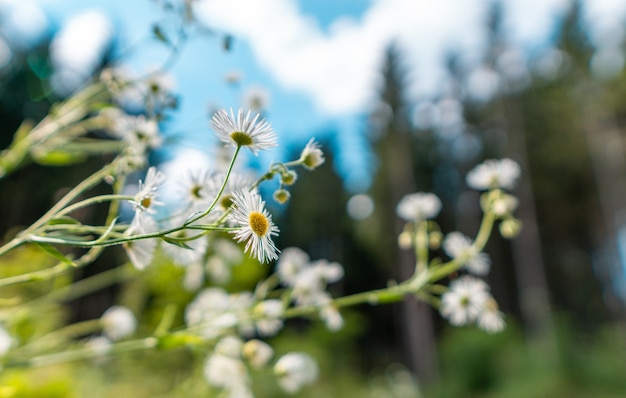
x=54 y=252
x=177 y=242
x=63 y=220
x=60 y=158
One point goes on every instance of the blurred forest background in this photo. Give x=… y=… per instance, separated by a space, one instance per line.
x=560 y=113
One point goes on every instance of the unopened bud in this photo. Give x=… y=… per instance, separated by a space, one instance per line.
x=510 y=228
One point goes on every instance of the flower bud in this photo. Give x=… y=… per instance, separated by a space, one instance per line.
x=281 y=196
x=510 y=228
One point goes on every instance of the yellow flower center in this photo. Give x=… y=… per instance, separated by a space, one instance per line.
x=226 y=201
x=258 y=223
x=241 y=138
x=146 y=202
x=195 y=191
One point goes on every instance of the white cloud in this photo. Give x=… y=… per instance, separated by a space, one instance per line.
x=339 y=68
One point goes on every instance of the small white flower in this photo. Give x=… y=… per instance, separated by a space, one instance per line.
x=465 y=300
x=459 y=247
x=183 y=256
x=236 y=182
x=118 y=322
x=226 y=372
x=256 y=98
x=229 y=345
x=256 y=226
x=332 y=317
x=243 y=130
x=493 y=174
x=145 y=199
x=99 y=345
x=491 y=318
x=312 y=156
x=194 y=191
x=292 y=260
x=294 y=370
x=6 y=341
x=270 y=313
x=418 y=206
x=141 y=251
x=257 y=353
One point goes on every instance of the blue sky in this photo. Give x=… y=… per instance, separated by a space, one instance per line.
x=319 y=59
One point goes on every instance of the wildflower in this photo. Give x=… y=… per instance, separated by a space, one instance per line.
x=194 y=191
x=196 y=244
x=6 y=341
x=256 y=98
x=236 y=182
x=331 y=317
x=118 y=322
x=243 y=131
x=292 y=260
x=465 y=300
x=492 y=174
x=141 y=251
x=99 y=345
x=229 y=373
x=312 y=156
x=289 y=177
x=491 y=319
x=459 y=247
x=136 y=131
x=418 y=206
x=145 y=199
x=269 y=313
x=256 y=225
x=257 y=353
x=229 y=345
x=294 y=370
x=281 y=196
x=310 y=283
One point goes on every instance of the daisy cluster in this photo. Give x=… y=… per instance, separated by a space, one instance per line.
x=227 y=201
x=467 y=299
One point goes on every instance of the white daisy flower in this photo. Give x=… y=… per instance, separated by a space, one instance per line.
x=118 y=322
x=181 y=255
x=294 y=370
x=270 y=314
x=292 y=260
x=465 y=300
x=418 y=206
x=257 y=353
x=256 y=225
x=492 y=174
x=141 y=251
x=459 y=247
x=491 y=318
x=194 y=191
x=256 y=98
x=236 y=182
x=145 y=199
x=243 y=130
x=312 y=156
x=228 y=373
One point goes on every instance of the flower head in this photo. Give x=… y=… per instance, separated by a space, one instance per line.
x=418 y=206
x=294 y=370
x=492 y=174
x=145 y=199
x=243 y=130
x=118 y=322
x=256 y=225
x=194 y=190
x=236 y=182
x=292 y=260
x=491 y=319
x=312 y=156
x=465 y=300
x=257 y=353
x=459 y=247
x=141 y=251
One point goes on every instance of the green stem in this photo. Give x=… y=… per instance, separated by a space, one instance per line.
x=84 y=353
x=445 y=269
x=421 y=247
x=94 y=200
x=217 y=197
